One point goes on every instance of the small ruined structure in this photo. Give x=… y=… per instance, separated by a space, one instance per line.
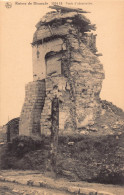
x=10 y=130
x=66 y=66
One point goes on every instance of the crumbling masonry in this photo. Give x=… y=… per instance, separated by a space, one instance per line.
x=65 y=64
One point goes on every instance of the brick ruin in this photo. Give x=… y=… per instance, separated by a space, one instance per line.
x=66 y=65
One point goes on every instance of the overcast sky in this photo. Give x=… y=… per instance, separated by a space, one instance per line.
x=17 y=26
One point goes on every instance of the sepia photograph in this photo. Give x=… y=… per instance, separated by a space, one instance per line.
x=62 y=97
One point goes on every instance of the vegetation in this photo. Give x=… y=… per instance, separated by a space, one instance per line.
x=88 y=158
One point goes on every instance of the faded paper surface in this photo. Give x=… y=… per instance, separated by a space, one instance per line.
x=17 y=25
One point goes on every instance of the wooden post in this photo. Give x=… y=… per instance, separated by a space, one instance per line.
x=54 y=133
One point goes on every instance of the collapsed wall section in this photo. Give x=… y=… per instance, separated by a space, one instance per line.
x=85 y=75
x=75 y=71
x=57 y=85
x=65 y=65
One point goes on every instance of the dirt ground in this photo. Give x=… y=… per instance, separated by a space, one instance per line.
x=56 y=186
x=7 y=188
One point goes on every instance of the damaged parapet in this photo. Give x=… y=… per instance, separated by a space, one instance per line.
x=65 y=63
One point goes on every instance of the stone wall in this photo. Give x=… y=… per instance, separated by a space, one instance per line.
x=32 y=108
x=85 y=76
x=65 y=122
x=39 y=57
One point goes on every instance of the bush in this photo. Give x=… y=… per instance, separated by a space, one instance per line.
x=25 y=153
x=24 y=144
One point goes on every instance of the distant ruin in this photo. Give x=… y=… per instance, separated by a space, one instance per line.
x=10 y=130
x=66 y=66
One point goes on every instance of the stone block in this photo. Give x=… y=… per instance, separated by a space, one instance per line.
x=87 y=191
x=74 y=189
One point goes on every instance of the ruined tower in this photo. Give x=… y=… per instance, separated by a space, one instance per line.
x=65 y=64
